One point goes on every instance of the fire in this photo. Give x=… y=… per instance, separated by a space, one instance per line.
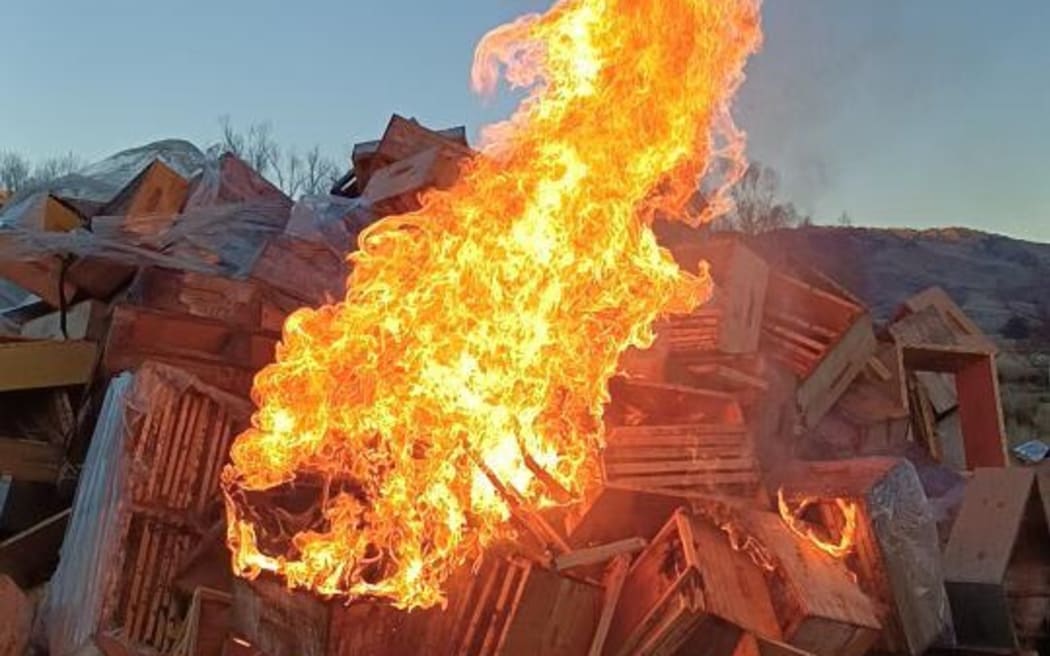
x=477 y=336
x=847 y=534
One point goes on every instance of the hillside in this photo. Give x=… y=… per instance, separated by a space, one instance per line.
x=991 y=276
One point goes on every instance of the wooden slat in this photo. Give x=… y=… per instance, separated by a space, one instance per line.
x=672 y=453
x=616 y=470
x=677 y=481
x=599 y=554
x=41 y=364
x=29 y=460
x=615 y=576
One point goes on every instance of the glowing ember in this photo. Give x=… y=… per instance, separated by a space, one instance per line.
x=847 y=534
x=484 y=327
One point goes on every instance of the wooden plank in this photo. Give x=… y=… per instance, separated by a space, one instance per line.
x=981 y=414
x=751 y=645
x=679 y=435
x=598 y=554
x=986 y=529
x=613 y=583
x=40 y=364
x=29 y=460
x=552 y=615
x=940 y=387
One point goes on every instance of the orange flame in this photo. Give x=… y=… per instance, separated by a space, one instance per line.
x=847 y=535
x=479 y=332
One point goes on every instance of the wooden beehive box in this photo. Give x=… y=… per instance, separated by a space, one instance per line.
x=731 y=322
x=997 y=561
x=820 y=608
x=506 y=608
x=826 y=339
x=151 y=201
x=896 y=557
x=686 y=581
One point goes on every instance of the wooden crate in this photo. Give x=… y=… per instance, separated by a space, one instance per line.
x=821 y=610
x=396 y=188
x=154 y=197
x=824 y=338
x=181 y=436
x=402 y=138
x=686 y=580
x=506 y=608
x=731 y=322
x=997 y=561
x=897 y=558
x=682 y=459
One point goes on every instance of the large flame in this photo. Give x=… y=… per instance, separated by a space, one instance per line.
x=479 y=333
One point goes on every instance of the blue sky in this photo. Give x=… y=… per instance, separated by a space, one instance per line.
x=902 y=113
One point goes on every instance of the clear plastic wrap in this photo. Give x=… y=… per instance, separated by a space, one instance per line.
x=81 y=590
x=222 y=239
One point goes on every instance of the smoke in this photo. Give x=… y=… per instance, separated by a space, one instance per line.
x=820 y=58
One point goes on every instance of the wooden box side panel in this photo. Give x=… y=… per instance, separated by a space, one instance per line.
x=279 y=622
x=905 y=531
x=839 y=367
x=554 y=615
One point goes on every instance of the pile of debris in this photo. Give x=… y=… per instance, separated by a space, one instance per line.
x=781 y=475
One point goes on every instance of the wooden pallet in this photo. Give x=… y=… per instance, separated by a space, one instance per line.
x=682 y=459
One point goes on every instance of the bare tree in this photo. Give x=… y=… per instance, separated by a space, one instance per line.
x=53 y=168
x=14 y=171
x=256 y=145
x=757 y=209
x=845 y=220
x=287 y=168
x=232 y=140
x=295 y=174
x=319 y=172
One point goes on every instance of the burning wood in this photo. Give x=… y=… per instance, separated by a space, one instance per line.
x=894 y=550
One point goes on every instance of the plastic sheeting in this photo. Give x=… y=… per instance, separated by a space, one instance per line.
x=222 y=239
x=331 y=220
x=99 y=182
x=82 y=588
